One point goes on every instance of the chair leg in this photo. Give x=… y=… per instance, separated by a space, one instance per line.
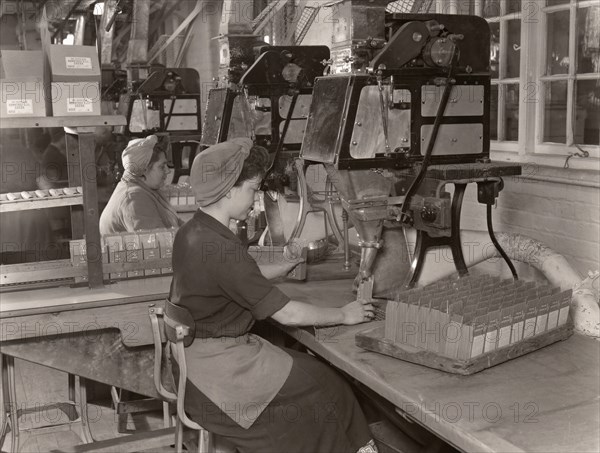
x=83 y=415
x=166 y=415
x=5 y=401
x=14 y=413
x=205 y=442
x=179 y=436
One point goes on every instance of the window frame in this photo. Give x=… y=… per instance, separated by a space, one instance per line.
x=530 y=146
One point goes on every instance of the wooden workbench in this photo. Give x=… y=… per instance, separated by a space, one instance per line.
x=546 y=401
x=102 y=334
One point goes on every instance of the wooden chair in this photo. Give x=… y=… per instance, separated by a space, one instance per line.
x=177 y=329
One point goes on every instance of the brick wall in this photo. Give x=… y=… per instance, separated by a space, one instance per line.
x=563 y=215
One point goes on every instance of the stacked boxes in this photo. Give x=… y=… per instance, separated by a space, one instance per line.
x=64 y=82
x=165 y=239
x=180 y=195
x=135 y=251
x=472 y=316
x=22 y=84
x=79 y=257
x=75 y=80
x=116 y=254
x=150 y=251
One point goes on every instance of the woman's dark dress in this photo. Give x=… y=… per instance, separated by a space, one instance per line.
x=306 y=406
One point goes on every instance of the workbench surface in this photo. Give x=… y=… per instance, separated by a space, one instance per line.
x=47 y=300
x=545 y=401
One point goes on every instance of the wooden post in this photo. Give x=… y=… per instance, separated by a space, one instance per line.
x=91 y=216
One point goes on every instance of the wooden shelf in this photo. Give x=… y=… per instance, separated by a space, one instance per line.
x=84 y=222
x=63 y=121
x=40 y=203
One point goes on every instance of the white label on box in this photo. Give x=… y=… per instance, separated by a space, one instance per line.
x=78 y=62
x=80 y=105
x=19 y=106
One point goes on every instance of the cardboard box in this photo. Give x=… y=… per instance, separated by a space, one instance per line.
x=565 y=302
x=78 y=252
x=75 y=99
x=22 y=86
x=165 y=240
x=15 y=64
x=504 y=330
x=477 y=340
x=150 y=251
x=134 y=253
x=73 y=63
x=116 y=254
x=516 y=332
x=541 y=322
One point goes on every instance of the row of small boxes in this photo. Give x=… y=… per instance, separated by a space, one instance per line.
x=474 y=315
x=63 y=82
x=180 y=194
x=141 y=247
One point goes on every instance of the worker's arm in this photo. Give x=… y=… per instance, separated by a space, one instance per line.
x=274 y=266
x=278 y=269
x=296 y=313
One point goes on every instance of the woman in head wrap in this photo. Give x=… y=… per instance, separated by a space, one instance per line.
x=259 y=397
x=137 y=204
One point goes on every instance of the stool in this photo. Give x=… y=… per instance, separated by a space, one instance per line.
x=11 y=412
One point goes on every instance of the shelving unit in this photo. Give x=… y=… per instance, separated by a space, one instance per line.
x=80 y=161
x=40 y=203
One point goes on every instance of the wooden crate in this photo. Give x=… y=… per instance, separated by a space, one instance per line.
x=373 y=340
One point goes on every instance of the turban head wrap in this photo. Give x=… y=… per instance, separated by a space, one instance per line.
x=137 y=155
x=216 y=169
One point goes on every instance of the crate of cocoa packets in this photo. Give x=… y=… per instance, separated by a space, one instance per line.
x=465 y=325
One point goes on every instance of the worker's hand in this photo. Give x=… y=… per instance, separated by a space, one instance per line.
x=357 y=312
x=290 y=262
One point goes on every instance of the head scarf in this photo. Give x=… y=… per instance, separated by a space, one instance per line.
x=216 y=169
x=137 y=155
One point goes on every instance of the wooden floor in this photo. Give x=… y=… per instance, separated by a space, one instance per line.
x=39 y=385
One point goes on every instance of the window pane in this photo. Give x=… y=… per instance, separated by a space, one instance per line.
x=494 y=112
x=557 y=53
x=495 y=49
x=513 y=6
x=511 y=127
x=514 y=48
x=588 y=39
x=587 y=113
x=557 y=2
x=555 y=112
x=491 y=8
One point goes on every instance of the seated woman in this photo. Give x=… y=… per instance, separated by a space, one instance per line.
x=259 y=397
x=137 y=204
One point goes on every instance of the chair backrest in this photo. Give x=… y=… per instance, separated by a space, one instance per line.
x=155 y=312
x=176 y=315
x=176 y=333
